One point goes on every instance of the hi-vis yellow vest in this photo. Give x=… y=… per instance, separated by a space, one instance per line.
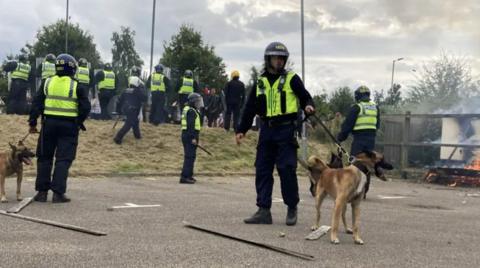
x=367 y=117
x=61 y=96
x=22 y=71
x=108 y=82
x=187 y=108
x=187 y=86
x=279 y=101
x=156 y=82
x=48 y=69
x=83 y=75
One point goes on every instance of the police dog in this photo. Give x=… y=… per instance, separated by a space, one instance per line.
x=345 y=185
x=12 y=162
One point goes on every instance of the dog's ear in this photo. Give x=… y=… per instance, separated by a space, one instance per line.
x=370 y=154
x=14 y=148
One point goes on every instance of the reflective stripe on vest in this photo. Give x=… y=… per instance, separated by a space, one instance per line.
x=187 y=86
x=156 y=83
x=83 y=75
x=279 y=102
x=367 y=117
x=61 y=96
x=184 y=118
x=108 y=82
x=48 y=69
x=22 y=71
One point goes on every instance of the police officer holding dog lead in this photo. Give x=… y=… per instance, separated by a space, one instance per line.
x=63 y=107
x=277 y=97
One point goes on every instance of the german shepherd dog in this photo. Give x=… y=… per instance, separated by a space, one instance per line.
x=345 y=185
x=12 y=163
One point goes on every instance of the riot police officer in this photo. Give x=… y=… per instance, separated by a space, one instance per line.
x=84 y=76
x=47 y=68
x=63 y=107
x=21 y=75
x=106 y=84
x=277 y=97
x=158 y=84
x=187 y=85
x=129 y=104
x=190 y=134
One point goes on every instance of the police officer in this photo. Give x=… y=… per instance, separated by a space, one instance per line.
x=190 y=133
x=21 y=75
x=47 y=68
x=106 y=84
x=158 y=85
x=129 y=104
x=186 y=86
x=234 y=97
x=63 y=107
x=362 y=121
x=84 y=76
x=277 y=97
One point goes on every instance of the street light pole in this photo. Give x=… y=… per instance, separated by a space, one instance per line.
x=303 y=42
x=66 y=29
x=153 y=36
x=393 y=69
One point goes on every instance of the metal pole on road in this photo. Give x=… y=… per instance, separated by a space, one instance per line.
x=153 y=36
x=66 y=29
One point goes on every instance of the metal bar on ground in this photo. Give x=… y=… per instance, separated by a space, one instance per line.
x=262 y=245
x=130 y=205
x=53 y=223
x=18 y=207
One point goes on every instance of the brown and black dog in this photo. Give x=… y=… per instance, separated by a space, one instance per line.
x=345 y=185
x=12 y=162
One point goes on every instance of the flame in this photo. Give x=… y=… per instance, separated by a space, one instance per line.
x=475 y=165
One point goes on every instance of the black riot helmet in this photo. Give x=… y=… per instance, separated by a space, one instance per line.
x=159 y=68
x=362 y=93
x=83 y=62
x=135 y=71
x=65 y=65
x=188 y=73
x=275 y=49
x=50 y=58
x=107 y=66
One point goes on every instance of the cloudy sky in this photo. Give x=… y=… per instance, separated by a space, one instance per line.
x=347 y=42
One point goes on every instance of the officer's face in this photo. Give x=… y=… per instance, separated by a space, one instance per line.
x=277 y=63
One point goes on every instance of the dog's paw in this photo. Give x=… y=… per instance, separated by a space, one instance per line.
x=314 y=227
x=349 y=231
x=4 y=200
x=19 y=198
x=359 y=241
x=335 y=241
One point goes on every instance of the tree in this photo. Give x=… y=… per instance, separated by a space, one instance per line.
x=443 y=82
x=187 y=51
x=254 y=74
x=51 y=39
x=124 y=55
x=341 y=100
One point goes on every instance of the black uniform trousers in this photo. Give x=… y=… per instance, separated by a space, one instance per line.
x=157 y=111
x=276 y=146
x=363 y=142
x=131 y=122
x=232 y=108
x=59 y=139
x=105 y=96
x=190 y=154
x=17 y=97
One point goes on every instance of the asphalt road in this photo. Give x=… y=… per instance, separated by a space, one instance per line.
x=403 y=225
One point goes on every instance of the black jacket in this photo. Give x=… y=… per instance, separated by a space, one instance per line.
x=234 y=92
x=251 y=110
x=349 y=124
x=131 y=100
x=10 y=66
x=38 y=106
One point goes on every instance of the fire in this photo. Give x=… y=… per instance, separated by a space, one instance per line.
x=475 y=165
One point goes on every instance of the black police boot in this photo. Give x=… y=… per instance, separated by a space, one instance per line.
x=60 y=198
x=291 y=216
x=187 y=181
x=262 y=216
x=41 y=196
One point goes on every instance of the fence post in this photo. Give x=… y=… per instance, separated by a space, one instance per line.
x=405 y=140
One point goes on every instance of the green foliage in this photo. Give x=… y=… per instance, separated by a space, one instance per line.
x=341 y=100
x=186 y=51
x=322 y=106
x=254 y=74
x=124 y=55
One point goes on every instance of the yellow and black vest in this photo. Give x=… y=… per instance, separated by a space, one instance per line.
x=22 y=71
x=187 y=86
x=156 y=82
x=61 y=96
x=187 y=108
x=108 y=82
x=367 y=117
x=279 y=98
x=83 y=75
x=48 y=69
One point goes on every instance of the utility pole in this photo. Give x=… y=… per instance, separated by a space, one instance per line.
x=153 y=36
x=66 y=29
x=303 y=42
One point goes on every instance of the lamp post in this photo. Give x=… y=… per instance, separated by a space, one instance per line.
x=393 y=69
x=66 y=28
x=153 y=36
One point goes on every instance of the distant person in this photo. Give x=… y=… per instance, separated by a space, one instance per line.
x=187 y=85
x=158 y=84
x=234 y=97
x=85 y=76
x=22 y=78
x=106 y=83
x=47 y=68
x=213 y=107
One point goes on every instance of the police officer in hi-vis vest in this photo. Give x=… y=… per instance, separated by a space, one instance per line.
x=47 y=68
x=106 y=84
x=84 y=76
x=362 y=121
x=63 y=107
x=277 y=97
x=186 y=86
x=158 y=84
x=22 y=78
x=190 y=133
